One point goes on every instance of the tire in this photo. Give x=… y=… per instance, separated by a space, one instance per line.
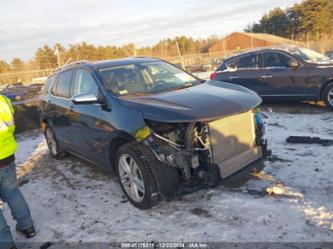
x=167 y=177
x=259 y=168
x=52 y=143
x=145 y=169
x=328 y=96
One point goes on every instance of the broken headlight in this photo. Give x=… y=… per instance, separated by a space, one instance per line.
x=260 y=121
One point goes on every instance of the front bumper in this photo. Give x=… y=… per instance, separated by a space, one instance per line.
x=215 y=173
x=239 y=161
x=256 y=166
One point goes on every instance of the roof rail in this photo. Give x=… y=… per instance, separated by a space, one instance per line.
x=146 y=57
x=71 y=64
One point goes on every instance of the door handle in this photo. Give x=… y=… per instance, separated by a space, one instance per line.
x=233 y=77
x=266 y=76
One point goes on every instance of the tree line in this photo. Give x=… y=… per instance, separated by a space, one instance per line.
x=49 y=57
x=310 y=18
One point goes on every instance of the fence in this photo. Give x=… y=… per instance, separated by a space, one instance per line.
x=37 y=76
x=28 y=77
x=322 y=44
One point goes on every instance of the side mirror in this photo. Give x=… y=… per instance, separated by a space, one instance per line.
x=86 y=98
x=293 y=64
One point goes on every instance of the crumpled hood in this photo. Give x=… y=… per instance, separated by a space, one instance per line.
x=207 y=101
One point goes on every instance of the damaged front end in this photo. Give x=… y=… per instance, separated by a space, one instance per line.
x=212 y=150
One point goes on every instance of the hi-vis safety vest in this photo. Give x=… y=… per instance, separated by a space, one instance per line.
x=8 y=145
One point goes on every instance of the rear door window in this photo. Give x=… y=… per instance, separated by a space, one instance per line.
x=63 y=86
x=275 y=60
x=247 y=61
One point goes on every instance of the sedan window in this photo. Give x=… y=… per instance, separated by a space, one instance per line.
x=230 y=64
x=275 y=60
x=248 y=61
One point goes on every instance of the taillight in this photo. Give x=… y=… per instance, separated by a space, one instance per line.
x=213 y=76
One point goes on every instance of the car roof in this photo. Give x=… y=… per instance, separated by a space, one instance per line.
x=124 y=61
x=106 y=63
x=283 y=48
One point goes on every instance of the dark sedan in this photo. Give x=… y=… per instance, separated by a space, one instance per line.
x=281 y=73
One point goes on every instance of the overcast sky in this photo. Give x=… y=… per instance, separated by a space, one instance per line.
x=26 y=25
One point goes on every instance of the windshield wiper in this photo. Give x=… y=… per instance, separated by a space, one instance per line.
x=326 y=59
x=135 y=94
x=186 y=85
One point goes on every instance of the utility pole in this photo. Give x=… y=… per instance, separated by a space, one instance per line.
x=57 y=53
x=292 y=38
x=178 y=50
x=135 y=53
x=224 y=47
x=181 y=57
x=252 y=45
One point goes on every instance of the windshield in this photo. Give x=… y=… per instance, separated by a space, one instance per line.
x=309 y=55
x=145 y=78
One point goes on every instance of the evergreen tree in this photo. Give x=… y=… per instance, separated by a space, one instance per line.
x=310 y=16
x=45 y=58
x=17 y=65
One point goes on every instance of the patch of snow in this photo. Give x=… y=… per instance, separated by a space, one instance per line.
x=28 y=144
x=291 y=200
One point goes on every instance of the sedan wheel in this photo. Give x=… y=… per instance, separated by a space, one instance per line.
x=328 y=96
x=131 y=178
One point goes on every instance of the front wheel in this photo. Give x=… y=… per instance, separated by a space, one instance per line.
x=328 y=96
x=136 y=178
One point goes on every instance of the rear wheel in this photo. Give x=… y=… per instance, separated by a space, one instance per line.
x=53 y=145
x=328 y=96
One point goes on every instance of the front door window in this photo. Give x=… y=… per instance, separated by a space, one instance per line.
x=84 y=83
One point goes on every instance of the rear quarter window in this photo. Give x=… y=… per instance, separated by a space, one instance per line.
x=63 y=86
x=231 y=64
x=222 y=67
x=48 y=84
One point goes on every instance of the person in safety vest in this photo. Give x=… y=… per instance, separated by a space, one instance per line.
x=9 y=192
